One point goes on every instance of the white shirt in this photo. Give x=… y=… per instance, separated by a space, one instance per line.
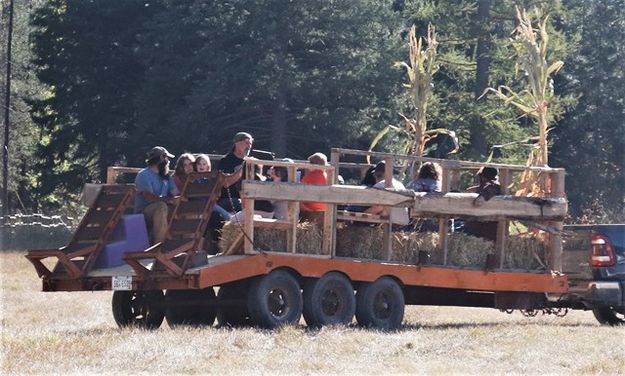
x=398 y=215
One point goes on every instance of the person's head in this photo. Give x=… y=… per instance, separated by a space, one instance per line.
x=378 y=171
x=242 y=144
x=202 y=163
x=488 y=174
x=279 y=173
x=318 y=159
x=158 y=157
x=429 y=170
x=184 y=164
x=369 y=179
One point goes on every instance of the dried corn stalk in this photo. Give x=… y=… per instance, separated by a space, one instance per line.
x=535 y=99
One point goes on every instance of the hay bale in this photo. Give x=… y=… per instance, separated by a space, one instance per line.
x=359 y=242
x=309 y=238
x=525 y=252
x=366 y=242
x=406 y=245
x=465 y=250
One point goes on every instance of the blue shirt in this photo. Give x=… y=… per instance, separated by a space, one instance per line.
x=150 y=181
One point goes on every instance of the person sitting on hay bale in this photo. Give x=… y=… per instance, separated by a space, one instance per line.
x=399 y=216
x=314 y=211
x=487 y=189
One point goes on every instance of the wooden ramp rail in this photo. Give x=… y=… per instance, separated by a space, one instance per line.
x=187 y=223
x=77 y=258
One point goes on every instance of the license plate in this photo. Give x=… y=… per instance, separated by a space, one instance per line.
x=121 y=282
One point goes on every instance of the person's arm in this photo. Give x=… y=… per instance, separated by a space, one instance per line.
x=375 y=209
x=233 y=178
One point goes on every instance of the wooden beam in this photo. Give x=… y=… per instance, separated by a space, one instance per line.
x=502 y=226
x=555 y=240
x=422 y=204
x=443 y=222
x=340 y=194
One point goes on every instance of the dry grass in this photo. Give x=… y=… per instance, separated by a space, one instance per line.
x=63 y=333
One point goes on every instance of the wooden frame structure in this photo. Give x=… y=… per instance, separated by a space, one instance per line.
x=186 y=226
x=544 y=212
x=77 y=258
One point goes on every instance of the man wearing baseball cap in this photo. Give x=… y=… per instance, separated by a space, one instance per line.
x=155 y=189
x=232 y=163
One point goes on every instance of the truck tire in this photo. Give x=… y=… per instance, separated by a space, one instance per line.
x=143 y=309
x=380 y=304
x=190 y=307
x=274 y=300
x=609 y=316
x=329 y=300
x=232 y=305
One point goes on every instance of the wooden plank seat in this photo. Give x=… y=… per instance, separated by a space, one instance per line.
x=272 y=223
x=187 y=223
x=345 y=215
x=77 y=258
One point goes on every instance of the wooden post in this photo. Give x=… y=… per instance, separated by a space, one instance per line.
x=328 y=218
x=555 y=240
x=388 y=227
x=443 y=223
x=502 y=226
x=335 y=157
x=291 y=240
x=248 y=211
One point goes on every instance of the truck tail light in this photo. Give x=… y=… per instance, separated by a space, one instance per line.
x=602 y=252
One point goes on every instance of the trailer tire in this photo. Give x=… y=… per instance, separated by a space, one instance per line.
x=380 y=304
x=609 y=316
x=275 y=299
x=231 y=314
x=143 y=309
x=329 y=300
x=190 y=307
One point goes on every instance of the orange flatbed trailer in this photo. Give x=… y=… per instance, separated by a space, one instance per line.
x=269 y=288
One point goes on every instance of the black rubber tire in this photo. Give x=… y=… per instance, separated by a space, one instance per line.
x=190 y=307
x=380 y=304
x=329 y=300
x=232 y=300
x=142 y=309
x=275 y=299
x=609 y=316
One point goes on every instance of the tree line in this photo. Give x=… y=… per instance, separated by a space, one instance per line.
x=98 y=82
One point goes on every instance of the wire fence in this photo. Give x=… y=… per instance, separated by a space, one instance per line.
x=33 y=231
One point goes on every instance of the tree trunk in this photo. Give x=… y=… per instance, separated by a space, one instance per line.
x=278 y=121
x=478 y=137
x=484 y=44
x=7 y=106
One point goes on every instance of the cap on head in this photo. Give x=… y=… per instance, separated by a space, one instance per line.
x=158 y=151
x=318 y=159
x=242 y=136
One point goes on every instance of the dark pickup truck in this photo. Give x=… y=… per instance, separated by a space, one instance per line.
x=594 y=260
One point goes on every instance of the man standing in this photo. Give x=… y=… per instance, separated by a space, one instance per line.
x=155 y=189
x=232 y=163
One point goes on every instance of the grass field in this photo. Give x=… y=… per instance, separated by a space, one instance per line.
x=63 y=333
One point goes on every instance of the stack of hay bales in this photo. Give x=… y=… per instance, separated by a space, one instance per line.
x=309 y=238
x=367 y=242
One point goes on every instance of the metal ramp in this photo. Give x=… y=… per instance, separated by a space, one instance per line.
x=186 y=227
x=77 y=258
